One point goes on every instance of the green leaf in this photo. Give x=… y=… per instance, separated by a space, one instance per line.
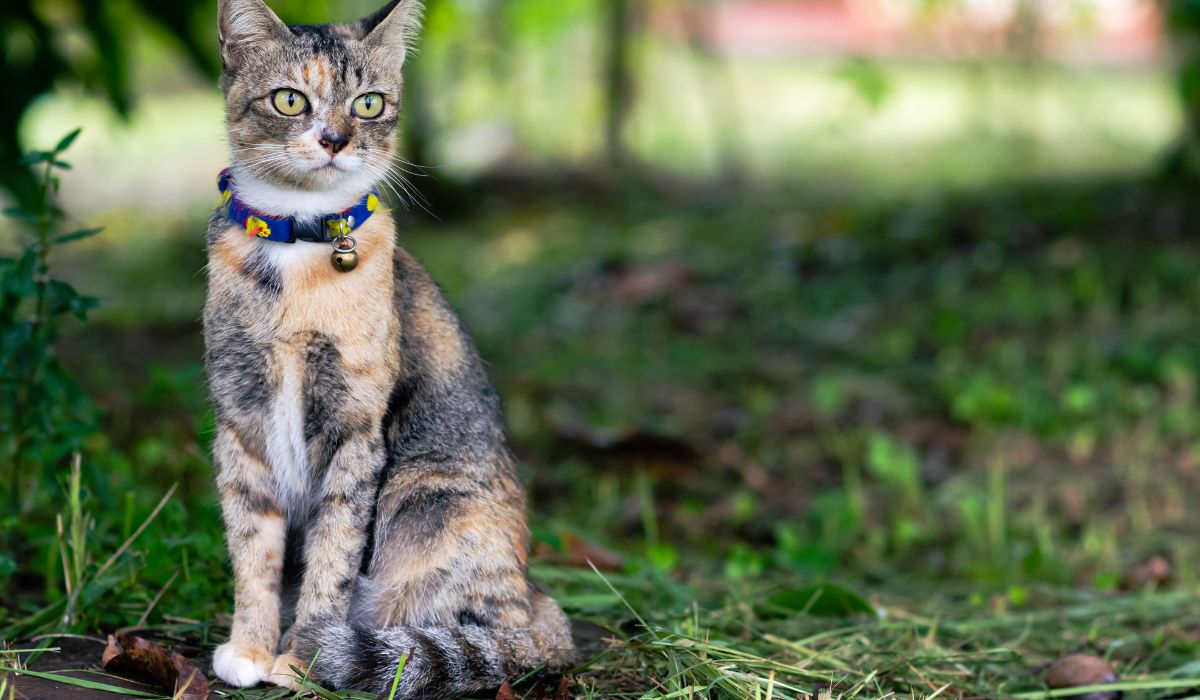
x=823 y=600
x=65 y=142
x=78 y=235
x=867 y=80
x=35 y=157
x=61 y=165
x=18 y=213
x=663 y=556
x=18 y=281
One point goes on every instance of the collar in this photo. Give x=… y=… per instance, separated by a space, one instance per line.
x=287 y=229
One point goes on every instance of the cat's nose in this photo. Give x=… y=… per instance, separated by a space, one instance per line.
x=332 y=142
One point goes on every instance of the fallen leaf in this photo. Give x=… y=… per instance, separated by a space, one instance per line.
x=577 y=552
x=564 y=689
x=1154 y=572
x=505 y=692
x=127 y=655
x=1080 y=670
x=627 y=446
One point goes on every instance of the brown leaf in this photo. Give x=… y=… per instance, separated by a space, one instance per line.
x=127 y=655
x=1079 y=670
x=1154 y=572
x=628 y=446
x=113 y=648
x=642 y=284
x=577 y=552
x=505 y=692
x=564 y=689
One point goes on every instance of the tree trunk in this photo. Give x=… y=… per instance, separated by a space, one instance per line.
x=618 y=78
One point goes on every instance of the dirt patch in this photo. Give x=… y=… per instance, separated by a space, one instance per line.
x=77 y=658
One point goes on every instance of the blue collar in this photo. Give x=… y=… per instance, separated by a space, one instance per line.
x=288 y=229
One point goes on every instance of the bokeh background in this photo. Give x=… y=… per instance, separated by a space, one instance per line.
x=898 y=294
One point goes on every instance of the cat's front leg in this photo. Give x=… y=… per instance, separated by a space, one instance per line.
x=333 y=547
x=255 y=528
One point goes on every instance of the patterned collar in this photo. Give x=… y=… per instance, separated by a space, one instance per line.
x=288 y=229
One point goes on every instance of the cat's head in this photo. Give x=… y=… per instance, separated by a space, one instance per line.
x=313 y=107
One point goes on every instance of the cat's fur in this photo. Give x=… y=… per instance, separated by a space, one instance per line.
x=360 y=457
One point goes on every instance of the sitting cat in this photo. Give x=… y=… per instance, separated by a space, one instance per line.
x=360 y=455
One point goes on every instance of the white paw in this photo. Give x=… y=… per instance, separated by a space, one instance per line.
x=240 y=665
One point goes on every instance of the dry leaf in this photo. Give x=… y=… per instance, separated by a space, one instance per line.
x=1156 y=571
x=564 y=689
x=1079 y=670
x=505 y=692
x=578 y=552
x=127 y=655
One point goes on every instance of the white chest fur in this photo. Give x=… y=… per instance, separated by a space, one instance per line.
x=287 y=449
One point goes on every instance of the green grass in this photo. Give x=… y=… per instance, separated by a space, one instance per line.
x=972 y=415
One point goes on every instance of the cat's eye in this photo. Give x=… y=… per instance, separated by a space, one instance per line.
x=289 y=102
x=368 y=106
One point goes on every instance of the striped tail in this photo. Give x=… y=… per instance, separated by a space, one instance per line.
x=443 y=662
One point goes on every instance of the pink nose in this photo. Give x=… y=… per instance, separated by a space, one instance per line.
x=333 y=142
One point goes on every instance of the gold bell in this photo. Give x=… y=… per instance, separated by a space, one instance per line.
x=344 y=257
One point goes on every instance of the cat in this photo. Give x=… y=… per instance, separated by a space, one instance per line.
x=365 y=480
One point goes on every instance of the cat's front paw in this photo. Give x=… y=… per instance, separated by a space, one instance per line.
x=282 y=673
x=242 y=665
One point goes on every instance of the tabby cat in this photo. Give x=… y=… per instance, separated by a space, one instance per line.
x=368 y=492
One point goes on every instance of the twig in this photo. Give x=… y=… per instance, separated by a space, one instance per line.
x=153 y=603
x=141 y=528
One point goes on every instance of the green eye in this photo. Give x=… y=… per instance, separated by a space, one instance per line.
x=368 y=106
x=289 y=102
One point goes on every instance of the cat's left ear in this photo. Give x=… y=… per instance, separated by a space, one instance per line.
x=393 y=29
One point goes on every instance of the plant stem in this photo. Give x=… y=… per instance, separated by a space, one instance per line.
x=38 y=322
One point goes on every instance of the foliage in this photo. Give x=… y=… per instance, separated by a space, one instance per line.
x=44 y=416
x=1183 y=20
x=36 y=59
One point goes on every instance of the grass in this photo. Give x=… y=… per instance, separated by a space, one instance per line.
x=911 y=448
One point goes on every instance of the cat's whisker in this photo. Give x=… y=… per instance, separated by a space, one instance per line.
x=402 y=189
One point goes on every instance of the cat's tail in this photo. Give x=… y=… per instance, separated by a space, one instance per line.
x=441 y=662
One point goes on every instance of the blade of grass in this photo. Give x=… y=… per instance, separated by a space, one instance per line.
x=1163 y=684
x=83 y=683
x=304 y=676
x=154 y=603
x=141 y=528
x=396 y=679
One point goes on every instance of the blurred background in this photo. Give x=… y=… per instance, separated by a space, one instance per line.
x=888 y=291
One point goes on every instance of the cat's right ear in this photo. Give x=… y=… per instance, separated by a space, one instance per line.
x=244 y=26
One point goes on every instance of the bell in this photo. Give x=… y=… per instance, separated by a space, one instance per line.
x=344 y=260
x=344 y=257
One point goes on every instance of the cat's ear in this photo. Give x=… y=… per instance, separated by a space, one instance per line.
x=244 y=25
x=393 y=29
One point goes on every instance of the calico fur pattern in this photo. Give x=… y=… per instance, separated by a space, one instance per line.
x=367 y=488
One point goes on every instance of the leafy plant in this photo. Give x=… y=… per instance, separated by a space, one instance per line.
x=44 y=415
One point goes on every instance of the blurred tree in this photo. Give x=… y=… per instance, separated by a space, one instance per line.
x=1183 y=21
x=618 y=77
x=86 y=42
x=716 y=83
